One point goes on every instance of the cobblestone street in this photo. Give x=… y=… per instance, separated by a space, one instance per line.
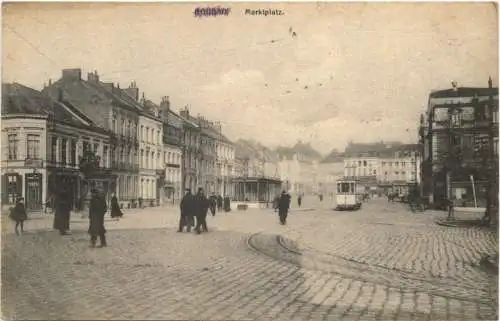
x=382 y=262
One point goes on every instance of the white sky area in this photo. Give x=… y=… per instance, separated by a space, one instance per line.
x=368 y=67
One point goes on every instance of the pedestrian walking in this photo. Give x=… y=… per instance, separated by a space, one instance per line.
x=97 y=210
x=202 y=205
x=299 y=200
x=220 y=202
x=116 y=211
x=18 y=215
x=451 y=207
x=213 y=204
x=227 y=204
x=187 y=208
x=283 y=207
x=63 y=212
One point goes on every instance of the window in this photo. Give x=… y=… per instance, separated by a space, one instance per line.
x=64 y=150
x=129 y=129
x=344 y=187
x=96 y=147
x=105 y=156
x=86 y=147
x=147 y=160
x=13 y=143
x=33 y=146
x=142 y=132
x=142 y=158
x=123 y=128
x=456 y=118
x=72 y=155
x=113 y=123
x=364 y=163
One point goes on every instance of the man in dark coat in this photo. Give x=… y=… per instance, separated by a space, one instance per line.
x=299 y=200
x=97 y=210
x=227 y=204
x=283 y=206
x=62 y=215
x=219 y=202
x=202 y=205
x=213 y=203
x=187 y=211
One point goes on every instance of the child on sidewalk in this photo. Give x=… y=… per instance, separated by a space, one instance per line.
x=18 y=215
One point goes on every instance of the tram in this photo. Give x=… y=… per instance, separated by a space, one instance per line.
x=349 y=196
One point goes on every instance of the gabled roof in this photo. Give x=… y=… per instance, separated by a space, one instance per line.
x=20 y=99
x=189 y=122
x=464 y=92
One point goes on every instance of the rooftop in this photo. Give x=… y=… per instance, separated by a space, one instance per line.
x=20 y=99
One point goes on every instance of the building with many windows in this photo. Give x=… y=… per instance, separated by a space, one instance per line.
x=112 y=109
x=191 y=150
x=225 y=163
x=459 y=139
x=391 y=169
x=43 y=140
x=173 y=126
x=151 y=166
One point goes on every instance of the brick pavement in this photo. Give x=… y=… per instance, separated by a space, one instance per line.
x=149 y=272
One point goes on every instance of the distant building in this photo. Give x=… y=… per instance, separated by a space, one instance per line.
x=392 y=168
x=191 y=145
x=173 y=127
x=327 y=176
x=151 y=166
x=459 y=139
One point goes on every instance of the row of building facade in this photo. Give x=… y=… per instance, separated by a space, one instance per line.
x=147 y=152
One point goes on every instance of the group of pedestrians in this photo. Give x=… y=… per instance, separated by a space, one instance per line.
x=197 y=206
x=63 y=205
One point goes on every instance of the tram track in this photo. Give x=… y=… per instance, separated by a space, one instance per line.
x=280 y=248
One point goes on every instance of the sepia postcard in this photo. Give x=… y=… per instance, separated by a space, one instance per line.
x=249 y=161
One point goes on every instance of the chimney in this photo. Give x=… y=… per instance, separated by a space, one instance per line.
x=72 y=74
x=93 y=77
x=132 y=91
x=60 y=96
x=490 y=83
x=165 y=103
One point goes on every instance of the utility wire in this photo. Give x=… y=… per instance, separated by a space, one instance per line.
x=34 y=47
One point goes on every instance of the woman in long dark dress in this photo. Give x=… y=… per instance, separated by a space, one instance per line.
x=116 y=212
x=18 y=215
x=62 y=215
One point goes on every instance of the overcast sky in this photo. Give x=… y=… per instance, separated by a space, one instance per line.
x=354 y=71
